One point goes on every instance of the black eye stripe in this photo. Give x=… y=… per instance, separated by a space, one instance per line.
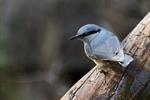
x=89 y=33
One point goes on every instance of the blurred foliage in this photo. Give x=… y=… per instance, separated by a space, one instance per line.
x=8 y=89
x=2 y=49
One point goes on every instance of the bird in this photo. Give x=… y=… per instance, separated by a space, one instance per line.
x=101 y=44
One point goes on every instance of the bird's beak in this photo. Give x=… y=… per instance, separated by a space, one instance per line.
x=74 y=37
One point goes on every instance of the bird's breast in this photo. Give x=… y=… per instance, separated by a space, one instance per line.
x=88 y=50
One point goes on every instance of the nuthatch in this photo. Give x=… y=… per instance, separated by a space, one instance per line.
x=101 y=44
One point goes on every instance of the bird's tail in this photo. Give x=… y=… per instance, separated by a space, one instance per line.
x=127 y=60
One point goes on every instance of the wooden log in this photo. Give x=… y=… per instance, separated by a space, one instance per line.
x=102 y=84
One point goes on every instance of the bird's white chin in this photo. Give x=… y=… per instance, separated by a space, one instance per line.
x=89 y=38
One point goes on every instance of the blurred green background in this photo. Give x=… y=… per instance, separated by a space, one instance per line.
x=37 y=61
x=2 y=48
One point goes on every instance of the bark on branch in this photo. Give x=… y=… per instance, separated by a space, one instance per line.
x=135 y=84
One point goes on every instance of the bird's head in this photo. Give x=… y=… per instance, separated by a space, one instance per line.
x=85 y=31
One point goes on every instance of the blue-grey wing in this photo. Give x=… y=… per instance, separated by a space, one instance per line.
x=110 y=49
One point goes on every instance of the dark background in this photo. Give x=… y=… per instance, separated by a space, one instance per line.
x=37 y=61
